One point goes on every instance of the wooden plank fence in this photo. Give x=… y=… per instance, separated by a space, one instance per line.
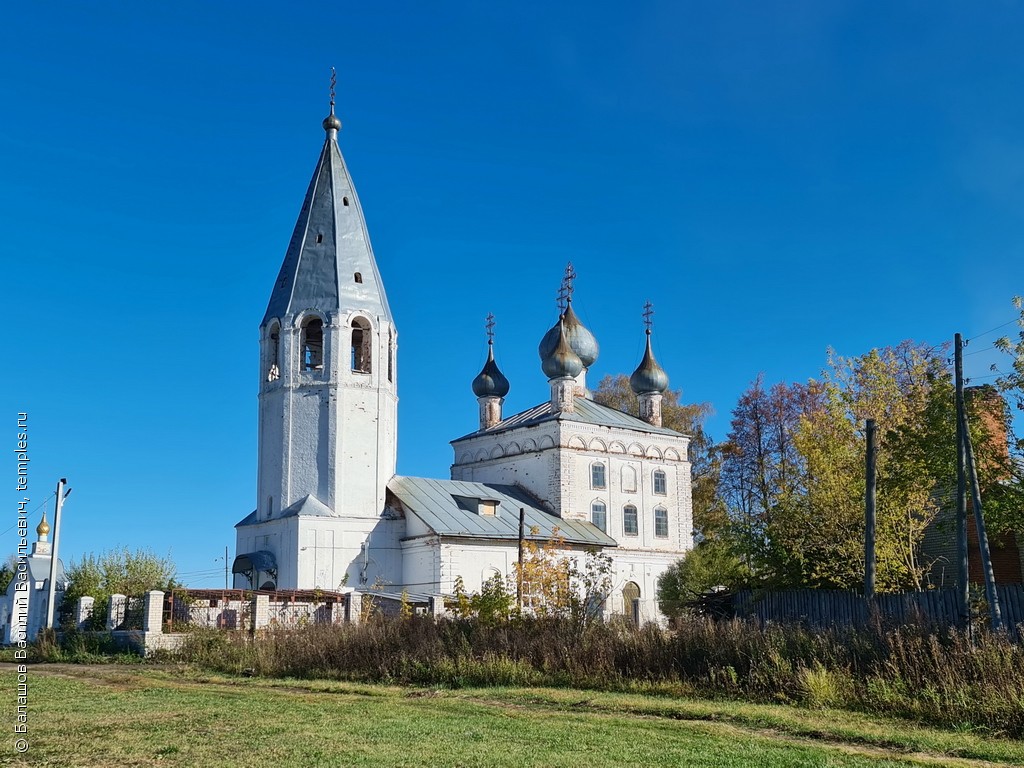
x=827 y=608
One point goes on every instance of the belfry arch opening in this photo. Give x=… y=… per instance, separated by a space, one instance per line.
x=273 y=365
x=362 y=338
x=312 y=347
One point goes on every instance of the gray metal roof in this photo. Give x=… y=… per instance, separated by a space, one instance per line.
x=442 y=506
x=585 y=411
x=329 y=246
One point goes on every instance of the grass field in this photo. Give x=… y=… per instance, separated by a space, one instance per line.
x=142 y=715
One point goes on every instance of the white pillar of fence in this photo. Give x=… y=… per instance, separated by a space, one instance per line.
x=260 y=611
x=83 y=611
x=354 y=607
x=115 y=616
x=437 y=609
x=153 y=612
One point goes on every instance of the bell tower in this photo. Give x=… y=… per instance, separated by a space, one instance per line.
x=327 y=376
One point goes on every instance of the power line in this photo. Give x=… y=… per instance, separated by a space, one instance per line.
x=991 y=330
x=29 y=514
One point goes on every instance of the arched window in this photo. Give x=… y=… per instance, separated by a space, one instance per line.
x=362 y=339
x=358 y=277
x=630 y=520
x=659 y=482
x=274 y=353
x=599 y=515
x=628 y=480
x=312 y=344
x=597 y=476
x=661 y=522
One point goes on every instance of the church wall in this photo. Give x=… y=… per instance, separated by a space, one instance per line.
x=421 y=564
x=524 y=457
x=642 y=569
x=561 y=476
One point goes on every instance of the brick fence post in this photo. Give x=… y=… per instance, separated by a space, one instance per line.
x=153 y=613
x=83 y=610
x=115 y=616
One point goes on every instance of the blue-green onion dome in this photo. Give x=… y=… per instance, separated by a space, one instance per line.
x=490 y=382
x=580 y=339
x=649 y=377
x=562 y=362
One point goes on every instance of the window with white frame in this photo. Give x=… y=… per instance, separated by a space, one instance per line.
x=659 y=482
x=599 y=515
x=630 y=520
x=597 y=476
x=661 y=522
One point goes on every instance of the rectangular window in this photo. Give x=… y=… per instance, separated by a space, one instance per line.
x=659 y=482
x=597 y=479
x=630 y=522
x=599 y=515
x=661 y=523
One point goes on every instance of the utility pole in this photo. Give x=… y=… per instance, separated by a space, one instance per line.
x=51 y=593
x=963 y=587
x=225 y=569
x=869 y=513
x=986 y=557
x=519 y=568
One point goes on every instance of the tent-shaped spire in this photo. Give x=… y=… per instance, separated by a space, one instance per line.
x=329 y=264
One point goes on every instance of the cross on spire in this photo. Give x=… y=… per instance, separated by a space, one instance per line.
x=334 y=82
x=648 y=313
x=490 y=327
x=566 y=289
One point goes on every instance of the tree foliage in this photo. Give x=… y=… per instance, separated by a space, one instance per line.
x=793 y=473
x=711 y=564
x=117 y=571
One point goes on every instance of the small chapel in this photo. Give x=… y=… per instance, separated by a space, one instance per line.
x=331 y=512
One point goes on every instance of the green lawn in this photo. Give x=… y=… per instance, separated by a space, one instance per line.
x=140 y=716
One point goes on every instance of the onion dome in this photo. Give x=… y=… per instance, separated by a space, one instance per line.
x=331 y=122
x=580 y=339
x=43 y=529
x=562 y=362
x=490 y=382
x=649 y=377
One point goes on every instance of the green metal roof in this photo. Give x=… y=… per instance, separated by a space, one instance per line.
x=447 y=507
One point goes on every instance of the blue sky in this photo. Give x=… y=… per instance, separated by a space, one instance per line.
x=775 y=177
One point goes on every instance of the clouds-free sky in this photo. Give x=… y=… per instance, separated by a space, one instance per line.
x=777 y=178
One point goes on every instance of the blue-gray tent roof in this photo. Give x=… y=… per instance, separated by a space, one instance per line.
x=448 y=508
x=329 y=245
x=584 y=410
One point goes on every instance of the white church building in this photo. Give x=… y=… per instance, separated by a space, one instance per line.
x=331 y=512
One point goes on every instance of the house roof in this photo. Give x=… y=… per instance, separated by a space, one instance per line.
x=584 y=410
x=450 y=508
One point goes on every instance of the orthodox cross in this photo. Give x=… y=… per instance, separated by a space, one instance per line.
x=334 y=82
x=566 y=289
x=648 y=313
x=490 y=327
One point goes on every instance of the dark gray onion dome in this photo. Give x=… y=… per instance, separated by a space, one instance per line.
x=649 y=377
x=331 y=122
x=562 y=362
x=578 y=335
x=490 y=382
